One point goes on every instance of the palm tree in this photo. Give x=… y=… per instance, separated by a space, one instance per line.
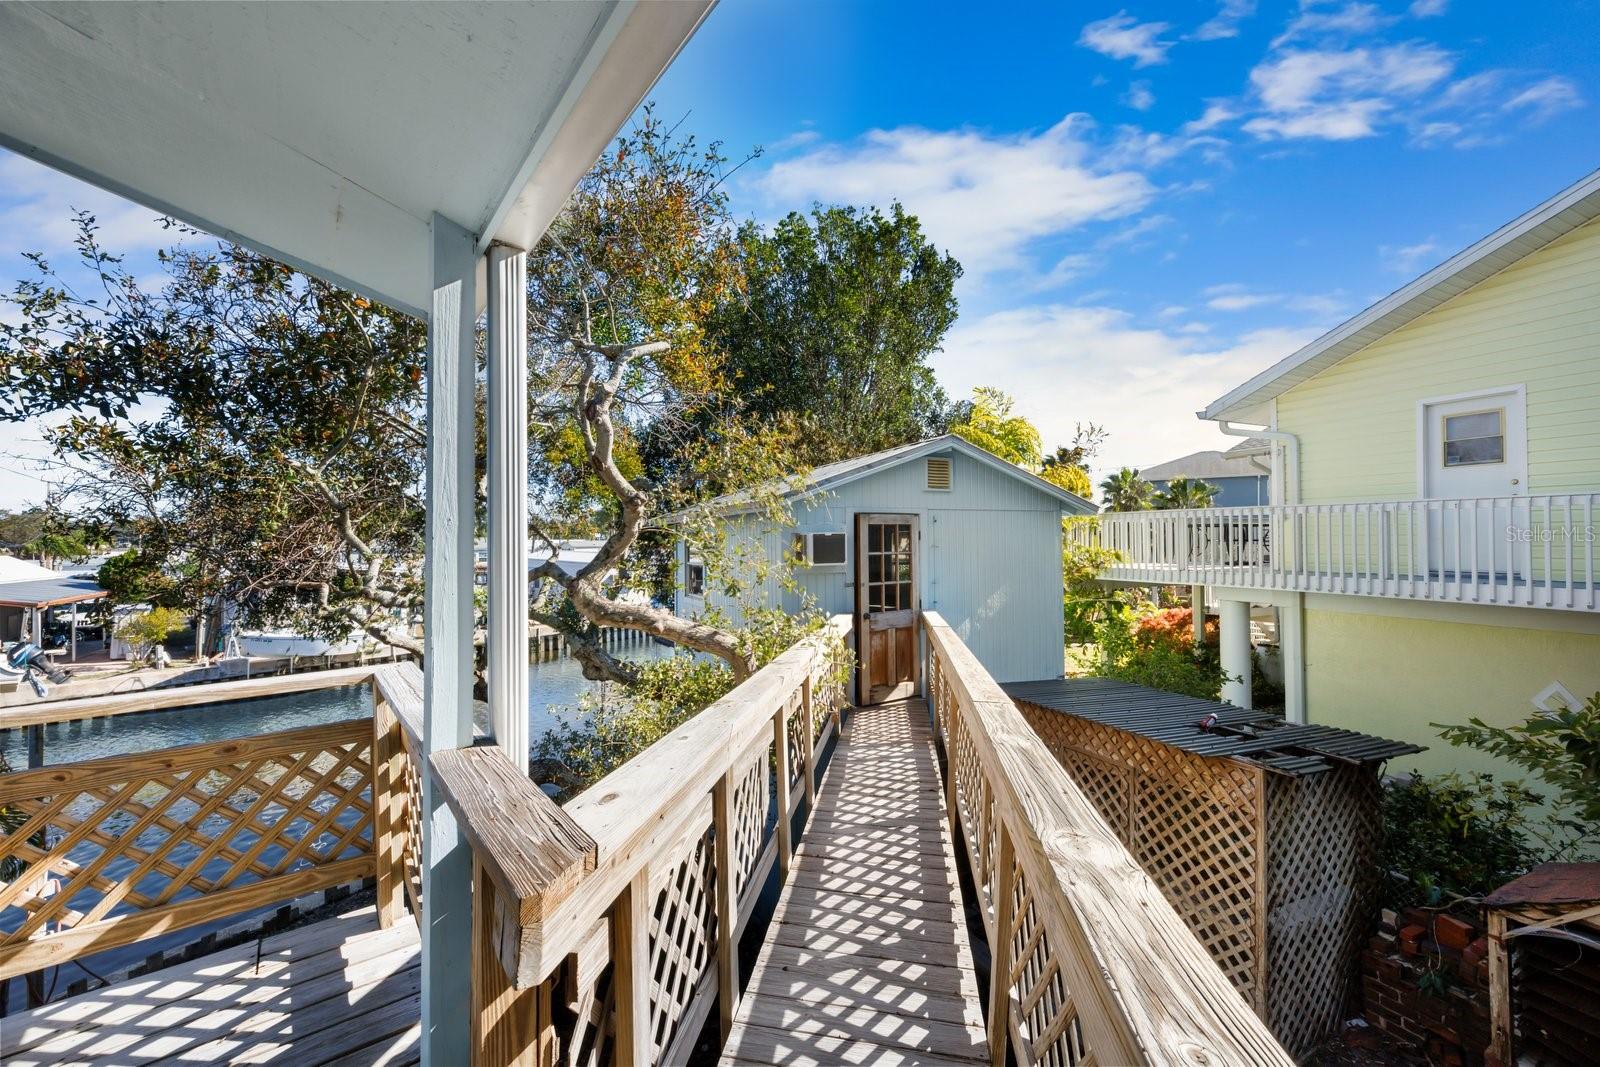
x=1126 y=491
x=1187 y=494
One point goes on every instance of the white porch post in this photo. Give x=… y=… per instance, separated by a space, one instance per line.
x=508 y=500
x=447 y=689
x=1234 y=618
x=1197 y=615
x=1292 y=649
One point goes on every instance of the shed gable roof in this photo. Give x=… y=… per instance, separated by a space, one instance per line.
x=844 y=471
x=1574 y=206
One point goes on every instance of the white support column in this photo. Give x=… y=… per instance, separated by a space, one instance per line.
x=1234 y=619
x=1197 y=614
x=508 y=500
x=447 y=661
x=1292 y=648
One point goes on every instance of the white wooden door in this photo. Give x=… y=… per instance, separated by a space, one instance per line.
x=1474 y=449
x=887 y=602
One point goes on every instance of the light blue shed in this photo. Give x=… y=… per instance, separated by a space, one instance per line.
x=941 y=525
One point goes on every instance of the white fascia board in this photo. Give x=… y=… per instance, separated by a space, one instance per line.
x=630 y=49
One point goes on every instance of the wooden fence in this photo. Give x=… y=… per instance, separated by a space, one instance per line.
x=606 y=928
x=108 y=852
x=1090 y=962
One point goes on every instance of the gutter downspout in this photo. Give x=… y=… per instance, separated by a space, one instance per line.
x=1291 y=451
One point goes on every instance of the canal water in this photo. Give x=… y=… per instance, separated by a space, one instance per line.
x=557 y=690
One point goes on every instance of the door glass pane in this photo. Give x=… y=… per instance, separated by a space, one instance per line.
x=905 y=594
x=874 y=568
x=1474 y=450
x=1477 y=424
x=1476 y=437
x=874 y=537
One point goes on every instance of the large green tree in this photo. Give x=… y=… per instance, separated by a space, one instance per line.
x=283 y=462
x=840 y=312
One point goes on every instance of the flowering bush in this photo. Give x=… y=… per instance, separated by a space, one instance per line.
x=1172 y=626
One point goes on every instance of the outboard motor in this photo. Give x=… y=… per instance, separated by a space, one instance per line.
x=27 y=662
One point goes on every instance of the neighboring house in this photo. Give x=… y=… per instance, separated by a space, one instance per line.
x=940 y=524
x=1436 y=489
x=1241 y=474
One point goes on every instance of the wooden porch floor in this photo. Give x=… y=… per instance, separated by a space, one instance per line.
x=866 y=960
x=341 y=991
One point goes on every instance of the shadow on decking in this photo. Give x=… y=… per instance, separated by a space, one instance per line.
x=341 y=991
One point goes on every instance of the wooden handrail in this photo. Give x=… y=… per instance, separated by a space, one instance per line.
x=230 y=826
x=1092 y=961
x=192 y=695
x=653 y=870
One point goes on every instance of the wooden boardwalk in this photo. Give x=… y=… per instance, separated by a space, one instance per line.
x=866 y=960
x=341 y=991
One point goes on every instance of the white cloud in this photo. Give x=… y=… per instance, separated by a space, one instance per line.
x=1139 y=97
x=1545 y=99
x=1216 y=113
x=1349 y=20
x=1236 y=297
x=1124 y=37
x=1342 y=95
x=1408 y=259
x=1068 y=364
x=1225 y=23
x=1423 y=9
x=984 y=197
x=36 y=206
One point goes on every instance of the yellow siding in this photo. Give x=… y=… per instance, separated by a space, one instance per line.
x=1536 y=324
x=1393 y=676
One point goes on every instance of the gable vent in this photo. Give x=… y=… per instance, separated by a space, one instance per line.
x=938 y=473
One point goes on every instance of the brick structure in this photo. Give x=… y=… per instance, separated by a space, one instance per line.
x=1425 y=982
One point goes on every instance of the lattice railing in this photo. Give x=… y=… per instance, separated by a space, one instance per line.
x=111 y=851
x=615 y=921
x=1090 y=963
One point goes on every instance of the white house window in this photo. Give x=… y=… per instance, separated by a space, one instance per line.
x=819 y=549
x=694 y=580
x=1476 y=437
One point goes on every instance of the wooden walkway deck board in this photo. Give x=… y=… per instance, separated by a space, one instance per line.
x=341 y=991
x=866 y=960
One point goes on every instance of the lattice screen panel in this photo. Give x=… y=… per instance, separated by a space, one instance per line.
x=1046 y=1017
x=753 y=803
x=409 y=824
x=588 y=1043
x=1320 y=859
x=1271 y=873
x=1194 y=825
x=117 y=836
x=683 y=939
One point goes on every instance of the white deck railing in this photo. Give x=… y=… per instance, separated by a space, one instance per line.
x=1524 y=551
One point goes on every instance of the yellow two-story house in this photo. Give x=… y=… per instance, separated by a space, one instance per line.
x=1430 y=545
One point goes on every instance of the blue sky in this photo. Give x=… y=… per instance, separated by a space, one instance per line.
x=1152 y=201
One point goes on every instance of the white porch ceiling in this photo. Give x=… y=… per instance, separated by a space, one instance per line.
x=328 y=134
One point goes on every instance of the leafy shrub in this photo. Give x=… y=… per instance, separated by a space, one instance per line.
x=1560 y=748
x=1450 y=837
x=143 y=631
x=1152 y=650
